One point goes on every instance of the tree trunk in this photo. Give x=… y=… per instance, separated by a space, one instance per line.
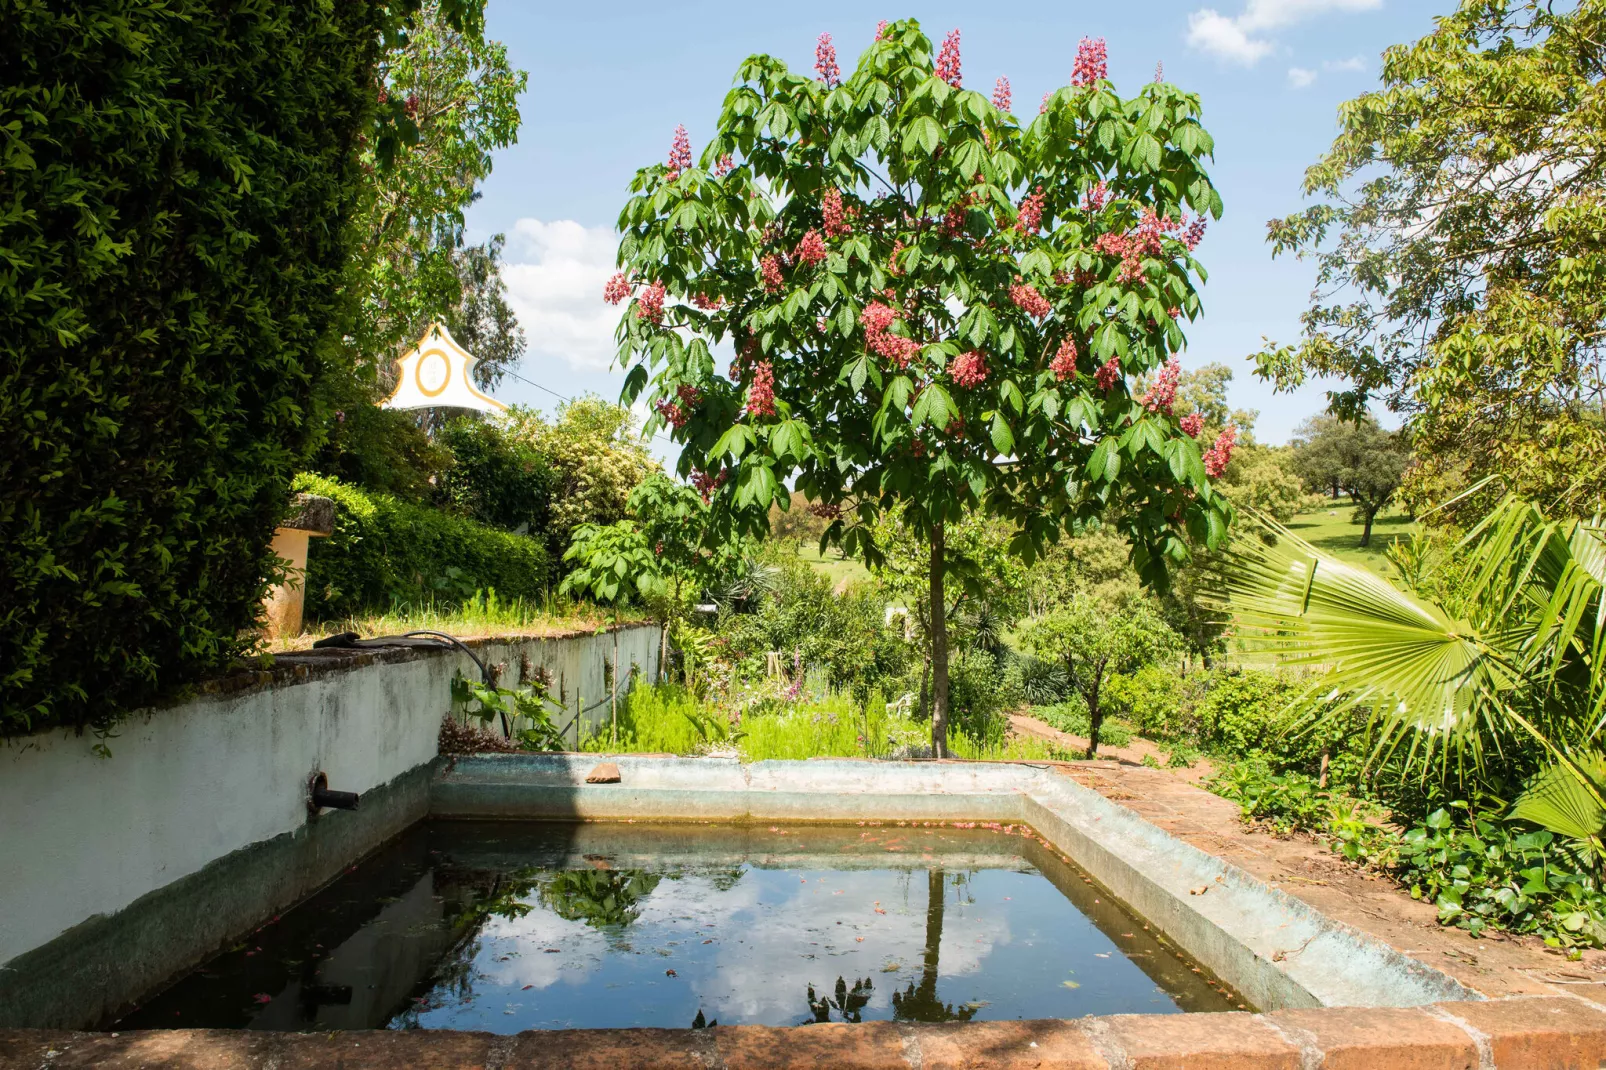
x=1335 y=490
x=939 y=648
x=925 y=686
x=1366 y=532
x=1095 y=715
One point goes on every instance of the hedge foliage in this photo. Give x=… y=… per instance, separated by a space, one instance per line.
x=175 y=180
x=385 y=551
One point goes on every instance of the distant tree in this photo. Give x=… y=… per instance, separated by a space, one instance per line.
x=597 y=459
x=1459 y=258
x=1360 y=459
x=1094 y=641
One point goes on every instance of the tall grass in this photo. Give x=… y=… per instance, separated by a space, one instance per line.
x=663 y=719
x=482 y=614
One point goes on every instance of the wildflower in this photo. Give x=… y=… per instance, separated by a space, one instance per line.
x=1030 y=217
x=968 y=369
x=811 y=250
x=1092 y=63
x=1109 y=374
x=1192 y=424
x=1028 y=300
x=770 y=269
x=1217 y=456
x=1064 y=363
x=836 y=224
x=679 y=153
x=1001 y=96
x=948 y=59
x=650 y=305
x=1162 y=393
x=825 y=61
x=761 y=394
x=617 y=290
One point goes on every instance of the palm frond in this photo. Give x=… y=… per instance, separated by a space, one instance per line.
x=1566 y=800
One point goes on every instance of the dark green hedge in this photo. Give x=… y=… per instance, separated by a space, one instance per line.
x=385 y=552
x=175 y=177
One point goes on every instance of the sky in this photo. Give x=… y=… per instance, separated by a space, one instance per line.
x=609 y=82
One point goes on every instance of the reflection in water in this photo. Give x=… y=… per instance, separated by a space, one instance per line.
x=504 y=928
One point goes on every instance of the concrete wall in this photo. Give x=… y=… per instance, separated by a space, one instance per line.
x=117 y=872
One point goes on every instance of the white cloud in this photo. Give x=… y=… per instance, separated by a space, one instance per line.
x=1299 y=77
x=555 y=272
x=1212 y=32
x=1337 y=66
x=1242 y=39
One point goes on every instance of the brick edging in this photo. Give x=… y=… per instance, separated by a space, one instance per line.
x=1508 y=1034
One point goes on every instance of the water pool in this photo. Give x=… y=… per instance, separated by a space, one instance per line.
x=505 y=927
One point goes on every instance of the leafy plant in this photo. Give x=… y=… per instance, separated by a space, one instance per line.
x=512 y=707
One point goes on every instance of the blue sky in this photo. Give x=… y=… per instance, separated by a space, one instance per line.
x=609 y=82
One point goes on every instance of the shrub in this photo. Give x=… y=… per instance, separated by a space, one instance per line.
x=385 y=552
x=1071 y=716
x=1242 y=711
x=176 y=178
x=494 y=477
x=1152 y=699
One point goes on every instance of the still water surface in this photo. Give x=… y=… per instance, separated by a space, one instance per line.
x=506 y=927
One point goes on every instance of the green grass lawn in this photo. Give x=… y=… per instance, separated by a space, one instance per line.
x=1331 y=530
x=833 y=564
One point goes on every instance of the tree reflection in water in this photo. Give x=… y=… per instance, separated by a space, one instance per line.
x=919 y=1002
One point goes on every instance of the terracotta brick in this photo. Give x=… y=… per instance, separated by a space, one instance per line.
x=1364 y=1038
x=1594 y=992
x=839 y=1046
x=1050 y=1045
x=384 y=1049
x=1194 y=1042
x=1543 y=1031
x=612 y=1049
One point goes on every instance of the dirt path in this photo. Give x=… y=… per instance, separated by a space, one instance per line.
x=1496 y=965
x=1133 y=753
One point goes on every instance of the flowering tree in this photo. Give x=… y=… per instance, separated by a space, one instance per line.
x=931 y=305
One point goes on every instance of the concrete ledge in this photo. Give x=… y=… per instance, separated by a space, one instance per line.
x=97 y=969
x=1272 y=948
x=1514 y=1034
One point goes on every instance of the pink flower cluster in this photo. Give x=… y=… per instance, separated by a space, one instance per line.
x=1143 y=240
x=724 y=166
x=770 y=269
x=1043 y=107
x=1109 y=374
x=968 y=370
x=880 y=29
x=1192 y=424
x=650 y=305
x=707 y=484
x=1094 y=199
x=1219 y=455
x=707 y=303
x=892 y=261
x=761 y=394
x=679 y=154
x=1194 y=234
x=1064 y=363
x=617 y=290
x=825 y=61
x=948 y=59
x=1028 y=300
x=1030 y=217
x=836 y=223
x=811 y=250
x=1159 y=71
x=825 y=510
x=1162 y=393
x=878 y=337
x=953 y=224
x=1001 y=94
x=1092 y=62
x=677 y=412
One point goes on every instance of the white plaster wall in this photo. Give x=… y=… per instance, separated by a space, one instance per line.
x=82 y=835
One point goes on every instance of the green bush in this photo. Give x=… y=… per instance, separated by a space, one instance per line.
x=1243 y=711
x=384 y=552
x=1071 y=716
x=1152 y=700
x=494 y=477
x=175 y=181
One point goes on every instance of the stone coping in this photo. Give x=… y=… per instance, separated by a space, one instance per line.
x=1510 y=1034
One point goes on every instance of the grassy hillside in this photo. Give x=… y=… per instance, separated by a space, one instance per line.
x=1332 y=531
